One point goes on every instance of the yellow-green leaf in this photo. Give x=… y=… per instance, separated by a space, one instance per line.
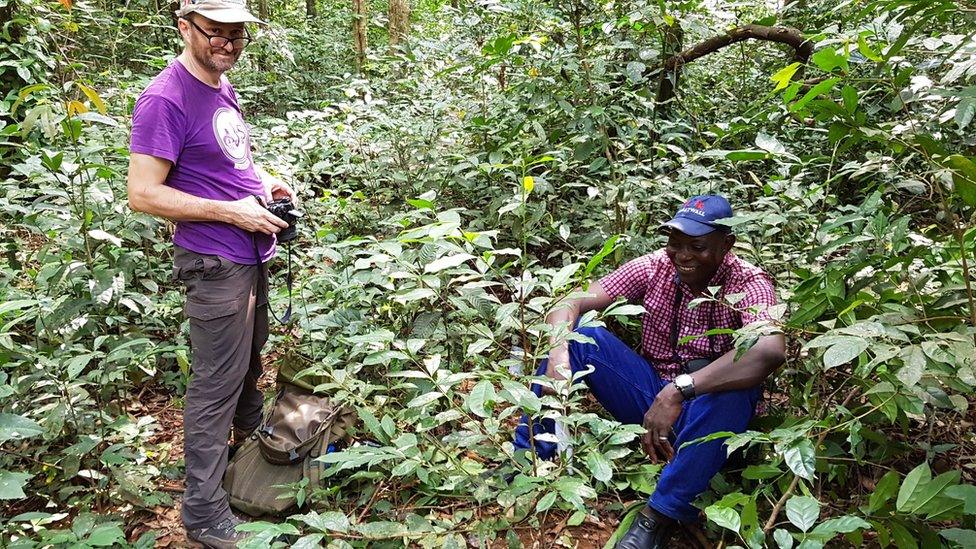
x=528 y=183
x=784 y=75
x=94 y=98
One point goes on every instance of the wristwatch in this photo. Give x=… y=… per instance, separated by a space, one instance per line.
x=685 y=385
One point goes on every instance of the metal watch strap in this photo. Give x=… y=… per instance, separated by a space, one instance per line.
x=685 y=385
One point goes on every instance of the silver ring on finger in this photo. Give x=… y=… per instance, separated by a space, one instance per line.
x=662 y=438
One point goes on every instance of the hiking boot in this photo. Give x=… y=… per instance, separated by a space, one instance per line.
x=222 y=535
x=650 y=530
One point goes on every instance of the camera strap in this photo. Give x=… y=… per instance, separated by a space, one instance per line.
x=262 y=278
x=676 y=309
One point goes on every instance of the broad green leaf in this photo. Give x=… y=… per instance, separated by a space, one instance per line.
x=12 y=484
x=600 y=466
x=608 y=247
x=914 y=482
x=841 y=525
x=845 y=350
x=801 y=458
x=965 y=538
x=865 y=49
x=783 y=76
x=963 y=177
x=746 y=155
x=883 y=491
x=331 y=521
x=911 y=372
x=546 y=502
x=965 y=493
x=447 y=262
x=564 y=275
x=414 y=295
x=726 y=517
x=14 y=427
x=783 y=538
x=761 y=471
x=424 y=399
x=965 y=110
x=803 y=512
x=827 y=59
x=106 y=535
x=482 y=393
x=922 y=501
x=815 y=92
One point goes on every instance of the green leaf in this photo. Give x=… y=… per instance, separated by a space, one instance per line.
x=841 y=525
x=600 y=466
x=783 y=76
x=801 y=458
x=828 y=59
x=746 y=155
x=803 y=512
x=845 y=350
x=761 y=471
x=608 y=247
x=911 y=372
x=850 y=98
x=12 y=484
x=883 y=491
x=914 y=481
x=447 y=262
x=865 y=49
x=424 y=399
x=965 y=110
x=965 y=493
x=963 y=177
x=965 y=538
x=546 y=502
x=783 y=539
x=331 y=521
x=564 y=275
x=483 y=392
x=726 y=517
x=382 y=529
x=923 y=501
x=815 y=92
x=105 y=535
x=14 y=427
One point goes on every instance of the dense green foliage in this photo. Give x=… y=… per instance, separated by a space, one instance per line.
x=457 y=190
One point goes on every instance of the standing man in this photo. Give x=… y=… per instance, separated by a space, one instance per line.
x=191 y=163
x=679 y=389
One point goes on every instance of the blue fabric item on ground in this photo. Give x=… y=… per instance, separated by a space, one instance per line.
x=625 y=384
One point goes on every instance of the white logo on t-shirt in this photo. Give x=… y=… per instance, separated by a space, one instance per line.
x=231 y=134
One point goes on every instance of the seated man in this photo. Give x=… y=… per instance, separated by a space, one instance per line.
x=680 y=390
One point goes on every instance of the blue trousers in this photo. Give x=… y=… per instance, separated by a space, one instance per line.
x=625 y=384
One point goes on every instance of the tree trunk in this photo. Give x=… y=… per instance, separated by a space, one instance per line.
x=359 y=33
x=673 y=40
x=310 y=10
x=399 y=21
x=263 y=13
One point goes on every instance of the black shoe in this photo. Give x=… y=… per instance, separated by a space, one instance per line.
x=223 y=535
x=650 y=530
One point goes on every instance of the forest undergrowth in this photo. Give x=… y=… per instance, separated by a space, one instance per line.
x=460 y=185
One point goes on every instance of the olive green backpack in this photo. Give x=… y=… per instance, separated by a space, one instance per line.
x=298 y=428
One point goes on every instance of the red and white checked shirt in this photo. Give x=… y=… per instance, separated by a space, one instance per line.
x=651 y=280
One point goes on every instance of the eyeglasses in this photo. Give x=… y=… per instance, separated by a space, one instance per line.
x=217 y=41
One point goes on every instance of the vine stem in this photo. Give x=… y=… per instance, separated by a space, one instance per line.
x=781 y=502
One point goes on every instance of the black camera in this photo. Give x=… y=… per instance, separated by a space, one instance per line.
x=284 y=209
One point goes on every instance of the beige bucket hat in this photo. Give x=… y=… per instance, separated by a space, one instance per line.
x=221 y=11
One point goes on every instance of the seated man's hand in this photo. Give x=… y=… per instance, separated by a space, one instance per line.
x=658 y=421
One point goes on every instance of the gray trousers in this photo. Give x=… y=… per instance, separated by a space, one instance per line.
x=227 y=305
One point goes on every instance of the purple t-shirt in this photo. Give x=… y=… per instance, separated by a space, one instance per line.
x=201 y=131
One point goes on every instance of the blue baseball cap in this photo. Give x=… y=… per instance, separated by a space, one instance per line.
x=697 y=216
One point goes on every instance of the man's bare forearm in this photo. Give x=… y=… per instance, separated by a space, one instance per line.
x=752 y=368
x=176 y=205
